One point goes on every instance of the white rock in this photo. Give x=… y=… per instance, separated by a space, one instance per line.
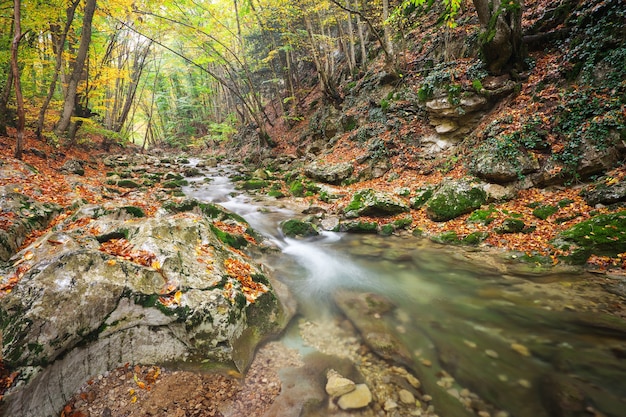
x=358 y=398
x=390 y=404
x=337 y=385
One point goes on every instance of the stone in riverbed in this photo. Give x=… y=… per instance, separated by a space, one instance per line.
x=337 y=385
x=369 y=202
x=329 y=173
x=406 y=397
x=359 y=398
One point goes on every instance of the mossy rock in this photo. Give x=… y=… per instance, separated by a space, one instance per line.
x=128 y=184
x=446 y=238
x=399 y=224
x=603 y=235
x=253 y=184
x=369 y=202
x=511 y=225
x=358 y=227
x=544 y=211
x=276 y=194
x=294 y=228
x=422 y=195
x=475 y=238
x=174 y=184
x=453 y=199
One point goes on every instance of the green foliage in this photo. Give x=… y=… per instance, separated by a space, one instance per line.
x=477 y=85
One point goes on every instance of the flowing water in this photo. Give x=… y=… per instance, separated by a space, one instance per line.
x=481 y=334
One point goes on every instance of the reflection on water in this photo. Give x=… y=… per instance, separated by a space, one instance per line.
x=528 y=348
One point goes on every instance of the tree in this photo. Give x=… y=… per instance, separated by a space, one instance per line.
x=501 y=33
x=17 y=35
x=69 y=105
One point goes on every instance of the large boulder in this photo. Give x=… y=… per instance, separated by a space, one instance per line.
x=369 y=202
x=487 y=164
x=329 y=173
x=605 y=194
x=454 y=198
x=110 y=287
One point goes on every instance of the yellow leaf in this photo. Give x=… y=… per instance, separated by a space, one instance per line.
x=28 y=255
x=111 y=262
x=156 y=265
x=133 y=400
x=177 y=297
x=131 y=391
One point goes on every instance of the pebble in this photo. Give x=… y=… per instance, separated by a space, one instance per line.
x=337 y=385
x=492 y=353
x=359 y=398
x=415 y=383
x=406 y=397
x=484 y=414
x=426 y=362
x=427 y=398
x=390 y=405
x=524 y=382
x=521 y=349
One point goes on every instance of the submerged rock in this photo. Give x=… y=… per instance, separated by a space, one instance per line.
x=337 y=385
x=162 y=290
x=359 y=398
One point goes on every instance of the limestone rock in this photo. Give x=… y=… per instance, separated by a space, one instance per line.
x=337 y=385
x=329 y=173
x=603 y=194
x=359 y=398
x=174 y=296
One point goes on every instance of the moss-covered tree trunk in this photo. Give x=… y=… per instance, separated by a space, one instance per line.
x=501 y=34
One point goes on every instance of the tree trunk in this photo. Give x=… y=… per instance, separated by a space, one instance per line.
x=17 y=35
x=4 y=101
x=81 y=56
x=501 y=34
x=59 y=44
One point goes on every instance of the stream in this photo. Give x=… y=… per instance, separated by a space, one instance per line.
x=482 y=335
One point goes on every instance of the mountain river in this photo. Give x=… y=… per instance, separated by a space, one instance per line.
x=483 y=334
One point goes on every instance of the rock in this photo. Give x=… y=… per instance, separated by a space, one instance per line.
x=176 y=296
x=488 y=164
x=499 y=193
x=295 y=228
x=446 y=127
x=422 y=195
x=406 y=397
x=603 y=194
x=390 y=405
x=511 y=226
x=73 y=166
x=337 y=385
x=192 y=171
x=369 y=202
x=433 y=145
x=454 y=198
x=21 y=215
x=329 y=173
x=359 y=398
x=260 y=174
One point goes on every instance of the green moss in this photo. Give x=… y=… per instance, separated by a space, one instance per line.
x=449 y=237
x=293 y=228
x=511 y=225
x=234 y=241
x=134 y=211
x=603 y=235
x=484 y=217
x=359 y=227
x=475 y=238
x=128 y=184
x=448 y=204
x=544 y=211
x=253 y=184
x=296 y=188
x=276 y=194
x=387 y=229
x=417 y=232
x=422 y=195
